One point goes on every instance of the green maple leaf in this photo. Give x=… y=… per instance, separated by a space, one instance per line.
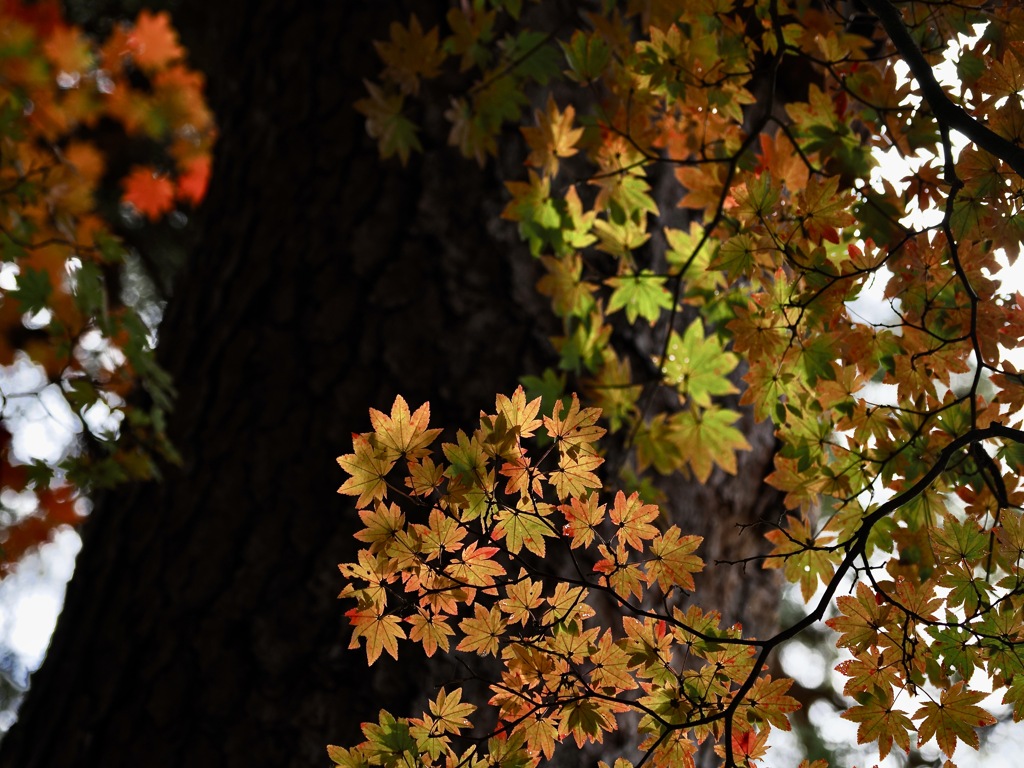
x=957 y=539
x=643 y=295
x=1015 y=695
x=586 y=719
x=506 y=751
x=708 y=438
x=395 y=133
x=467 y=458
x=656 y=446
x=966 y=589
x=522 y=527
x=817 y=356
x=389 y=740
x=587 y=55
x=737 y=256
x=953 y=646
x=879 y=722
x=699 y=366
x=955 y=715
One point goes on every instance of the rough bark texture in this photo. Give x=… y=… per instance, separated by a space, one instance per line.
x=201 y=627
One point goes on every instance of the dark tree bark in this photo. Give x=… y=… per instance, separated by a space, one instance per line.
x=201 y=627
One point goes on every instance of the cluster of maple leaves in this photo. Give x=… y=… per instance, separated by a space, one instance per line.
x=64 y=96
x=901 y=442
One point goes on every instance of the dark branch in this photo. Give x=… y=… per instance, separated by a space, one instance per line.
x=952 y=115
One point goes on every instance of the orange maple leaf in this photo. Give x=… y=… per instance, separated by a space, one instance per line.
x=68 y=49
x=151 y=194
x=153 y=42
x=554 y=137
x=193 y=182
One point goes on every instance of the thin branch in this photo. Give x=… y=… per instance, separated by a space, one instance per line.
x=945 y=111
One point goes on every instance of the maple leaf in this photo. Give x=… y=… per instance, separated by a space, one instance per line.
x=521 y=416
x=709 y=438
x=395 y=133
x=586 y=720
x=431 y=630
x=798 y=552
x=768 y=702
x=523 y=526
x=193 y=182
x=579 y=427
x=403 y=433
x=483 y=632
x=672 y=560
x=570 y=294
x=522 y=598
x=643 y=294
x=382 y=526
x=68 y=49
x=861 y=619
x=575 y=474
x=476 y=566
x=878 y=721
x=749 y=746
x=451 y=712
x=611 y=667
x=954 y=715
x=368 y=470
x=633 y=518
x=554 y=137
x=153 y=42
x=410 y=55
x=624 y=577
x=149 y=192
x=442 y=534
x=699 y=366
x=380 y=630
x=868 y=670
x=390 y=739
x=582 y=516
x=540 y=735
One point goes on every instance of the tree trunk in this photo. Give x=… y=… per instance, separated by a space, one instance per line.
x=201 y=627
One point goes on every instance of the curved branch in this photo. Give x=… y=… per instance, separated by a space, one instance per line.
x=952 y=115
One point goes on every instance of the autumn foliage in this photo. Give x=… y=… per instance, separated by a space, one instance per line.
x=900 y=438
x=68 y=104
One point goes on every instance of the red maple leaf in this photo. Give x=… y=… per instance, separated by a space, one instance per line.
x=151 y=194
